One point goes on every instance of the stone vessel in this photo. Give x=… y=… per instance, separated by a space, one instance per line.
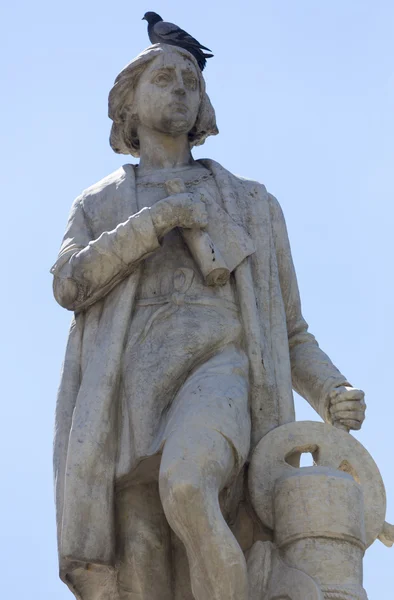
x=323 y=517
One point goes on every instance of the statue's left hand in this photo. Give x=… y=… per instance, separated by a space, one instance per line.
x=347 y=407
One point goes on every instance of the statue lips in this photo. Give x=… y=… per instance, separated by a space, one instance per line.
x=180 y=107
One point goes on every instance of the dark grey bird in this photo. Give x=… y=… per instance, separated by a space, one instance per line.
x=160 y=32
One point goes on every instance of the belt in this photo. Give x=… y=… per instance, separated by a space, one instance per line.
x=182 y=281
x=180 y=298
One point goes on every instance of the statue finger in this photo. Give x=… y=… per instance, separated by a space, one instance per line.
x=348 y=405
x=356 y=415
x=344 y=394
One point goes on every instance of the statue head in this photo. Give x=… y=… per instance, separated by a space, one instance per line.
x=163 y=89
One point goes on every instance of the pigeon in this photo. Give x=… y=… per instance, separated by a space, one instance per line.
x=161 y=32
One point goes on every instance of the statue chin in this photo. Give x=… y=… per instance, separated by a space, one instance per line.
x=176 y=125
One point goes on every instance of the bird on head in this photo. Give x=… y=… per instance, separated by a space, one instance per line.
x=161 y=32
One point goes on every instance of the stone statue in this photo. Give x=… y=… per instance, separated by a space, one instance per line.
x=186 y=342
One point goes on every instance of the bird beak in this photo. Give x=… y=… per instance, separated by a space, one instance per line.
x=143 y=19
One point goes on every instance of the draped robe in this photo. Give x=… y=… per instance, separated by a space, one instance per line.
x=96 y=275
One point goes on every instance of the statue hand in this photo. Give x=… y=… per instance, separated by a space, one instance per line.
x=181 y=210
x=347 y=407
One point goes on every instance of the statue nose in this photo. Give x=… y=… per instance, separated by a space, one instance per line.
x=179 y=91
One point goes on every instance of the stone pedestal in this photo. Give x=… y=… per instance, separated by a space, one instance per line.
x=319 y=529
x=323 y=517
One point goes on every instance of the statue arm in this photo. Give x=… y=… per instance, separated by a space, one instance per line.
x=314 y=375
x=87 y=269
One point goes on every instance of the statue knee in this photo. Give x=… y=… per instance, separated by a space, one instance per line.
x=188 y=486
x=181 y=496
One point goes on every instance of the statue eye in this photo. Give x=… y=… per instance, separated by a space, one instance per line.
x=190 y=82
x=161 y=79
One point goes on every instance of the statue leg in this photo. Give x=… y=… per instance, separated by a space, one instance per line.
x=182 y=587
x=143 y=545
x=196 y=465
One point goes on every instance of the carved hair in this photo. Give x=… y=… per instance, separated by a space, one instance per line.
x=124 y=137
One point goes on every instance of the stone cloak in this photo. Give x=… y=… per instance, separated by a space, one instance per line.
x=282 y=353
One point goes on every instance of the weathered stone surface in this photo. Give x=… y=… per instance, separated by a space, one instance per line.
x=175 y=370
x=270 y=578
x=325 y=516
x=277 y=455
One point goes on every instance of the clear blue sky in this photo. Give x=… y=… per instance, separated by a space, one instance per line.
x=303 y=91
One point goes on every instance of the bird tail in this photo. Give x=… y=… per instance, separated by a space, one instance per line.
x=202 y=59
x=198 y=54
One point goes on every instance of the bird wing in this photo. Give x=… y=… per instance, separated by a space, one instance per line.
x=169 y=32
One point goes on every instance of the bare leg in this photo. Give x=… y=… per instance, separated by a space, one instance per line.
x=144 y=545
x=183 y=590
x=196 y=465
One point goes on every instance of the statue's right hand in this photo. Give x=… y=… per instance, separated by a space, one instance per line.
x=181 y=210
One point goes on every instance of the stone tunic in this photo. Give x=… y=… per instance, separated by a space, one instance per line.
x=184 y=363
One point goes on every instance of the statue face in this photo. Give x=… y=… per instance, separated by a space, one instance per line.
x=167 y=97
